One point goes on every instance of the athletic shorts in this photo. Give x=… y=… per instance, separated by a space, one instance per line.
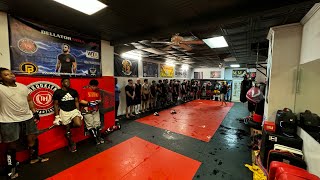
x=67 y=116
x=129 y=101
x=10 y=132
x=92 y=120
x=137 y=100
x=145 y=97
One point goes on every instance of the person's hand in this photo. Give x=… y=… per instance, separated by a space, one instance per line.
x=36 y=117
x=92 y=104
x=98 y=101
x=57 y=120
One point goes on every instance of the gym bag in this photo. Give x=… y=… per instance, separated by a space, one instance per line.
x=286 y=122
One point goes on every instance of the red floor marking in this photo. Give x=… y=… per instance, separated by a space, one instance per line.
x=132 y=159
x=199 y=119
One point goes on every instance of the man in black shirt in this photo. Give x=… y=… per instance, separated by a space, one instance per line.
x=137 y=97
x=175 y=93
x=129 y=97
x=66 y=62
x=153 y=89
x=66 y=110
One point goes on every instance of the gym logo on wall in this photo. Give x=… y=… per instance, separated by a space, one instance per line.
x=126 y=67
x=28 y=67
x=27 y=46
x=41 y=93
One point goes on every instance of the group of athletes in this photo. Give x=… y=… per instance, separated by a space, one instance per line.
x=156 y=95
x=19 y=117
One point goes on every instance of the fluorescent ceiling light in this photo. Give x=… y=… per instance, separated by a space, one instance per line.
x=170 y=64
x=235 y=65
x=86 y=6
x=185 y=67
x=132 y=55
x=216 y=42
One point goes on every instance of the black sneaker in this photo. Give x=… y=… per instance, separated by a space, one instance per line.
x=73 y=147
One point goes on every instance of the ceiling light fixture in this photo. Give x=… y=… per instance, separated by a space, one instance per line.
x=132 y=55
x=88 y=7
x=170 y=64
x=235 y=65
x=216 y=42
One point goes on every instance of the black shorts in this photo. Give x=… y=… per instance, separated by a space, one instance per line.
x=137 y=100
x=251 y=107
x=129 y=101
x=10 y=132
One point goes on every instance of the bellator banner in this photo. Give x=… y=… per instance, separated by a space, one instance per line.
x=125 y=67
x=180 y=73
x=150 y=69
x=41 y=91
x=42 y=51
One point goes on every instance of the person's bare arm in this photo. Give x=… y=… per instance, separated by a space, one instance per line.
x=58 y=65
x=56 y=107
x=31 y=104
x=77 y=102
x=74 y=67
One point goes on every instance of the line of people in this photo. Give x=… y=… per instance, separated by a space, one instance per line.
x=156 y=95
x=19 y=117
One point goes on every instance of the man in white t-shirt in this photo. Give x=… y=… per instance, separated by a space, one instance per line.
x=18 y=118
x=145 y=94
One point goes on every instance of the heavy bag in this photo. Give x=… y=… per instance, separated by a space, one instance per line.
x=310 y=121
x=286 y=122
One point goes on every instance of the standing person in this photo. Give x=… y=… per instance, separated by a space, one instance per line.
x=117 y=97
x=66 y=110
x=66 y=63
x=18 y=118
x=159 y=94
x=199 y=89
x=175 y=93
x=170 y=91
x=129 y=98
x=153 y=91
x=137 y=97
x=145 y=95
x=90 y=99
x=223 y=91
x=183 y=90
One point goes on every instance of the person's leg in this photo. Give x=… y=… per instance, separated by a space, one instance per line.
x=29 y=130
x=127 y=115
x=116 y=110
x=9 y=134
x=97 y=125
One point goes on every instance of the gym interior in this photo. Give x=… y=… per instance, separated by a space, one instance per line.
x=187 y=89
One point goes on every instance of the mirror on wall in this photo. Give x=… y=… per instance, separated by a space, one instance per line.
x=308 y=95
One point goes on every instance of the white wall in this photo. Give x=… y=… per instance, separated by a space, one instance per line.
x=107 y=61
x=4 y=41
x=308 y=98
x=207 y=71
x=311 y=36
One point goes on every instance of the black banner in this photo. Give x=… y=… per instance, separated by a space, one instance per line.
x=150 y=69
x=47 y=51
x=125 y=67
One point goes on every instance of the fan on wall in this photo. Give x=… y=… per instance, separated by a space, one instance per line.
x=178 y=40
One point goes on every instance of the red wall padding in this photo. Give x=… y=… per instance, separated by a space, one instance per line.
x=54 y=139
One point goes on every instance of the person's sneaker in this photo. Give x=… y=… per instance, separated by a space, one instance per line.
x=156 y=114
x=73 y=147
x=101 y=140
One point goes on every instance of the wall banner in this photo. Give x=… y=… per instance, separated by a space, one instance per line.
x=125 y=67
x=166 y=71
x=43 y=51
x=150 y=69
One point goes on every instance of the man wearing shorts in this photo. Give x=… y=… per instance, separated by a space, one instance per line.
x=90 y=99
x=137 y=97
x=145 y=94
x=153 y=89
x=66 y=110
x=17 y=119
x=129 y=98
